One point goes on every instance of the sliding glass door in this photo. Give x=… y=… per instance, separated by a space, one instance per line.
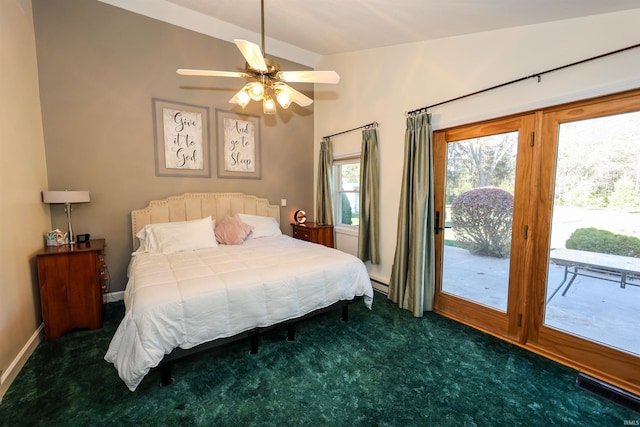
x=481 y=230
x=587 y=253
x=538 y=233
x=593 y=274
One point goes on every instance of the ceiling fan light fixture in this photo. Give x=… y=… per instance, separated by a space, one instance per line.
x=267 y=79
x=241 y=98
x=268 y=105
x=255 y=90
x=283 y=98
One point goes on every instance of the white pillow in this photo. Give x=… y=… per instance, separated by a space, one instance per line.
x=171 y=237
x=142 y=240
x=263 y=226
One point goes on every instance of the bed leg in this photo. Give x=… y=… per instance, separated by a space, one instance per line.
x=165 y=374
x=345 y=313
x=254 y=344
x=291 y=332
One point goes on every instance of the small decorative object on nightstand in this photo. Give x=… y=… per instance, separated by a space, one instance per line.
x=300 y=216
x=314 y=232
x=67 y=198
x=72 y=279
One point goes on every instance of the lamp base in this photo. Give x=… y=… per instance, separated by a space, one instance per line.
x=69 y=228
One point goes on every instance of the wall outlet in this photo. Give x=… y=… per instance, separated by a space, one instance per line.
x=283 y=202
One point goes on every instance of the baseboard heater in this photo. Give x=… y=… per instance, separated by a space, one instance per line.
x=612 y=393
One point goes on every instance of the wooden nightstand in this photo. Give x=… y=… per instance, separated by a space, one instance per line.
x=313 y=232
x=71 y=282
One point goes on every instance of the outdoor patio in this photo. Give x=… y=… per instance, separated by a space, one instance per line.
x=593 y=308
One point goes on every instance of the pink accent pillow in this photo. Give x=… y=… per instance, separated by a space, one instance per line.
x=232 y=231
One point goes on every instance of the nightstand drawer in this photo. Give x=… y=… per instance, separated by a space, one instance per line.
x=314 y=233
x=301 y=234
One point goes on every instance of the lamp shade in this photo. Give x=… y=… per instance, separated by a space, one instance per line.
x=65 y=196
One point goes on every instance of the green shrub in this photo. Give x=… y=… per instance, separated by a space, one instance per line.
x=345 y=209
x=604 y=242
x=481 y=219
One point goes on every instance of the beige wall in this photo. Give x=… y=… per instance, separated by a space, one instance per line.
x=99 y=68
x=383 y=84
x=23 y=217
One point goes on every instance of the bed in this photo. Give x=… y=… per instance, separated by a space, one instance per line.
x=188 y=292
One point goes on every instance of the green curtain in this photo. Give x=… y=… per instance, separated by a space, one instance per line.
x=412 y=284
x=324 y=214
x=369 y=229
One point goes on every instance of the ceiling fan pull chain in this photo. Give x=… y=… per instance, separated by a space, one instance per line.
x=262 y=25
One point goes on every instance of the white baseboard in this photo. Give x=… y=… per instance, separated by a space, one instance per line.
x=379 y=285
x=16 y=365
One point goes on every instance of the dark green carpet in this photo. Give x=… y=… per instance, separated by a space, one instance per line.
x=382 y=368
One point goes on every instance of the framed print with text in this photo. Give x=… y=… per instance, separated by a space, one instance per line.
x=238 y=145
x=181 y=135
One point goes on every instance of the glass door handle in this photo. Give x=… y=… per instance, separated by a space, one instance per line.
x=437 y=228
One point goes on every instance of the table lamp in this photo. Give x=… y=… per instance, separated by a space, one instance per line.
x=66 y=198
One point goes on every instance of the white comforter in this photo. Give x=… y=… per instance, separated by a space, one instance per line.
x=187 y=298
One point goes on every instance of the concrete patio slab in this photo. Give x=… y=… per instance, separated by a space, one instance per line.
x=594 y=309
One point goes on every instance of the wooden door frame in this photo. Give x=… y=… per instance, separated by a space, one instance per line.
x=507 y=323
x=613 y=366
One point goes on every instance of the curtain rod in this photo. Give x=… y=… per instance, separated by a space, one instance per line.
x=371 y=125
x=536 y=75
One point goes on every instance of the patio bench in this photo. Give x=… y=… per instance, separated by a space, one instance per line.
x=588 y=264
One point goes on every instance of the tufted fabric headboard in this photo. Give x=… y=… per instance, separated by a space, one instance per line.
x=191 y=206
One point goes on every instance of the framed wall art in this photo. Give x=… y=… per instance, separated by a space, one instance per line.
x=181 y=134
x=238 y=145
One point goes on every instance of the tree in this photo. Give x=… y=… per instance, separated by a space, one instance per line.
x=593 y=155
x=484 y=157
x=481 y=162
x=625 y=195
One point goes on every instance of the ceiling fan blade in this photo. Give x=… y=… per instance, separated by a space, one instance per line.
x=252 y=54
x=296 y=96
x=309 y=76
x=209 y=73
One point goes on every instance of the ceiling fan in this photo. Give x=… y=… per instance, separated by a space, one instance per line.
x=266 y=78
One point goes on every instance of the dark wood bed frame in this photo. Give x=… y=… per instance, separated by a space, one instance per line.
x=253 y=335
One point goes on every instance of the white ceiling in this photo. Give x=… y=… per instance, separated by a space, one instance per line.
x=305 y=30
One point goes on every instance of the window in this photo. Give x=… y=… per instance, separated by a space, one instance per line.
x=346 y=180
